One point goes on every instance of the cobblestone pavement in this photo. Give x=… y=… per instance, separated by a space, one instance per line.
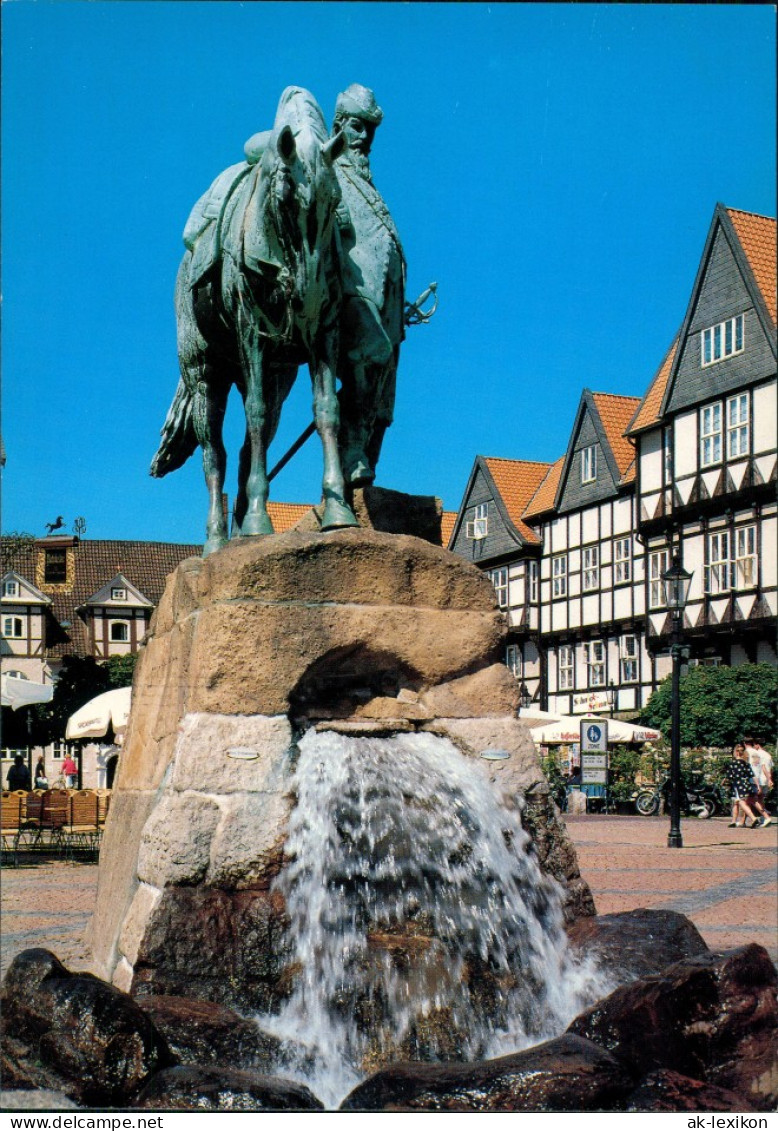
x=723 y=879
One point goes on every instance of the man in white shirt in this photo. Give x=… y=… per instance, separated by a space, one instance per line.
x=762 y=767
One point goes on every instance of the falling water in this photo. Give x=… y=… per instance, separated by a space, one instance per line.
x=420 y=923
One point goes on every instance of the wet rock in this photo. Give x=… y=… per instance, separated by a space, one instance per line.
x=199 y=1088
x=666 y=1090
x=566 y=1074
x=91 y=1034
x=41 y=1099
x=713 y=1017
x=203 y=1032
x=224 y=946
x=634 y=944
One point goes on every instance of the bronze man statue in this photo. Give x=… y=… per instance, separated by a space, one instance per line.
x=373 y=276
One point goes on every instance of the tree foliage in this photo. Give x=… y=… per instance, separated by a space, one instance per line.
x=719 y=706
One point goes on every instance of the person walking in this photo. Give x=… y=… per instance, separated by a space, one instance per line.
x=742 y=786
x=18 y=775
x=39 y=777
x=70 y=771
x=762 y=768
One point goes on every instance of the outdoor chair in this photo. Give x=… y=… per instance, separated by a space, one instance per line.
x=103 y=805
x=54 y=817
x=81 y=834
x=11 y=823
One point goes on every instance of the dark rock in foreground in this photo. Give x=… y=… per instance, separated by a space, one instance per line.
x=566 y=1074
x=204 y=1032
x=713 y=1017
x=634 y=944
x=202 y=1088
x=666 y=1090
x=88 y=1033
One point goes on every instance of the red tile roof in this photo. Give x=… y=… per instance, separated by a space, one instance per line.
x=517 y=481
x=615 y=414
x=650 y=407
x=447 y=521
x=94 y=563
x=286 y=515
x=757 y=237
x=543 y=499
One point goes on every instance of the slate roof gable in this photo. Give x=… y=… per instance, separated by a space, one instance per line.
x=606 y=417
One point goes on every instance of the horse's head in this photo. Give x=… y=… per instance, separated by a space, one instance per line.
x=302 y=185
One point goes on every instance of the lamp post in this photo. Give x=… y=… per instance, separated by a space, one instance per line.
x=525 y=699
x=610 y=696
x=676 y=581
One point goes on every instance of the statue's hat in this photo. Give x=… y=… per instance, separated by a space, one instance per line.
x=360 y=102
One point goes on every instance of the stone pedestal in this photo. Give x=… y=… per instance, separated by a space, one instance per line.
x=356 y=630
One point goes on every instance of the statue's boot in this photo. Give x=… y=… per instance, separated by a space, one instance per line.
x=214 y=543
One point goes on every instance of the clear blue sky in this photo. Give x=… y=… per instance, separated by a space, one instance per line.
x=554 y=167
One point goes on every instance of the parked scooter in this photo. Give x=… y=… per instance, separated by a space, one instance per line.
x=699 y=798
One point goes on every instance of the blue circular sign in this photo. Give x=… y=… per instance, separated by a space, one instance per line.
x=593 y=733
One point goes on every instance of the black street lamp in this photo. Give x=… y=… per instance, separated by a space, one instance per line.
x=525 y=699
x=610 y=696
x=676 y=581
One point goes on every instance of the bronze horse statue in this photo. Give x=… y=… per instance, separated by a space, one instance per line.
x=258 y=294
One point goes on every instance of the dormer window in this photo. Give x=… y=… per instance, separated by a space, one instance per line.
x=10 y=588
x=120 y=632
x=118 y=594
x=55 y=567
x=722 y=340
x=478 y=526
x=589 y=464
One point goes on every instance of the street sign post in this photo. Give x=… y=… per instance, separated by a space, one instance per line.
x=594 y=754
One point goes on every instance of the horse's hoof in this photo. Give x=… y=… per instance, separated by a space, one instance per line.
x=254 y=524
x=337 y=515
x=213 y=544
x=360 y=475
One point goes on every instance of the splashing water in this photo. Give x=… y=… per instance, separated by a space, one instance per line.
x=421 y=925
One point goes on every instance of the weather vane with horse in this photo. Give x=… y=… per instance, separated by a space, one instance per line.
x=291 y=258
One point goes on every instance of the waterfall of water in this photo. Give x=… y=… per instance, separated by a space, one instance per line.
x=420 y=923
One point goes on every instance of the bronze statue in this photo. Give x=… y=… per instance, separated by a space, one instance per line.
x=373 y=274
x=258 y=293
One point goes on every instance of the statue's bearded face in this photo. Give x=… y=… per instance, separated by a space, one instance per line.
x=359 y=134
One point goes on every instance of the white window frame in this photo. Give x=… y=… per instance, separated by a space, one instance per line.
x=559 y=576
x=724 y=339
x=118 y=593
x=566 y=667
x=13 y=628
x=499 y=579
x=117 y=624
x=718 y=571
x=532 y=581
x=658 y=562
x=10 y=588
x=628 y=655
x=745 y=555
x=589 y=464
x=738 y=425
x=591 y=569
x=622 y=560
x=594 y=658
x=478 y=526
x=711 y=434
x=514 y=660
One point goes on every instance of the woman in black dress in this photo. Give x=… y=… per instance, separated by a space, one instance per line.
x=741 y=786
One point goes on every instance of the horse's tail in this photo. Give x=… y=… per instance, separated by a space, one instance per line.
x=178 y=435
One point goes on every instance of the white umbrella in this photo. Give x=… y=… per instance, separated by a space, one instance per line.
x=19 y=692
x=111 y=709
x=567 y=728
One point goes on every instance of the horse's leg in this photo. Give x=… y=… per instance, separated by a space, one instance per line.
x=253 y=485
x=209 y=405
x=326 y=413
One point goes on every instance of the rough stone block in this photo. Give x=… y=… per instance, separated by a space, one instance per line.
x=202 y=759
x=144 y=904
x=175 y=846
x=491 y=691
x=247 y=848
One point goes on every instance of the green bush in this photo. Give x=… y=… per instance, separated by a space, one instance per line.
x=719 y=706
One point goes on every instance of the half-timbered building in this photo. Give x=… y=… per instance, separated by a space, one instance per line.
x=689 y=469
